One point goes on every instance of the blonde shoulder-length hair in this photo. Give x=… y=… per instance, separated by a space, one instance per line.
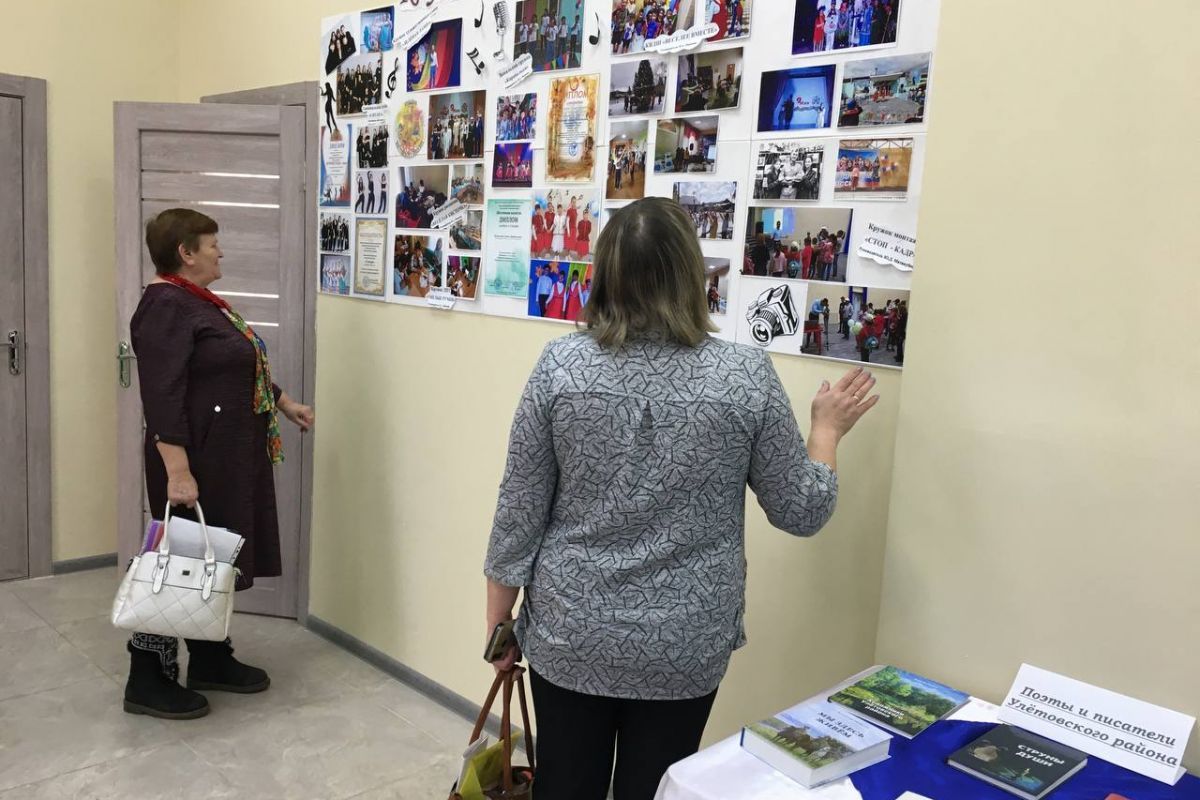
x=648 y=277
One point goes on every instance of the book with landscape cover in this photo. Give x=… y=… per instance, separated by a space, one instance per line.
x=814 y=743
x=1018 y=761
x=902 y=702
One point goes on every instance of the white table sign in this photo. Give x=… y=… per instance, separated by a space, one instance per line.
x=1141 y=737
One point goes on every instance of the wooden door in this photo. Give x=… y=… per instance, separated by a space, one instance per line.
x=244 y=166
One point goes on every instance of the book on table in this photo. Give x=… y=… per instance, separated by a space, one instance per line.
x=902 y=702
x=1018 y=761
x=814 y=743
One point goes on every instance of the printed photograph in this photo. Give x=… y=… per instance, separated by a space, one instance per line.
x=435 y=62
x=378 y=29
x=335 y=232
x=558 y=289
x=410 y=129
x=571 y=138
x=635 y=22
x=869 y=325
x=513 y=166
x=822 y=26
x=420 y=192
x=564 y=224
x=808 y=243
x=516 y=117
x=876 y=168
x=335 y=274
x=456 y=125
x=686 y=144
x=359 y=82
x=462 y=276
x=637 y=87
x=340 y=42
x=788 y=170
x=711 y=205
x=335 y=168
x=627 y=160
x=884 y=91
x=709 y=81
x=371 y=147
x=468 y=233
x=466 y=183
x=416 y=265
x=370 y=191
x=716 y=283
x=797 y=99
x=732 y=18
x=550 y=31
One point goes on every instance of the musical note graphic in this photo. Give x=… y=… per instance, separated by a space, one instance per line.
x=479 y=65
x=479 y=19
x=595 y=37
x=391 y=80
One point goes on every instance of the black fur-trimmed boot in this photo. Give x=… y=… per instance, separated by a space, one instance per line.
x=212 y=666
x=153 y=688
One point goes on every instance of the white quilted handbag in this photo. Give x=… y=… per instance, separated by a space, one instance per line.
x=174 y=595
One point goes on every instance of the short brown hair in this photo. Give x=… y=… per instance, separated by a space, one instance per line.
x=649 y=276
x=171 y=228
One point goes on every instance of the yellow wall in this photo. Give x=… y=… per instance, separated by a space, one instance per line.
x=89 y=58
x=1048 y=452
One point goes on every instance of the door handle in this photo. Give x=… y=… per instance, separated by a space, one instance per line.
x=124 y=356
x=14 y=352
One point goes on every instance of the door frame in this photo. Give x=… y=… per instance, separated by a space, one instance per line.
x=36 y=227
x=302 y=94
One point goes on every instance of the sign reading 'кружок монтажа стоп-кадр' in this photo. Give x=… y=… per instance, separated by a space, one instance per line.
x=1141 y=737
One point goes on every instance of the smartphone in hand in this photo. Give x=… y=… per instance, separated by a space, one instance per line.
x=499 y=642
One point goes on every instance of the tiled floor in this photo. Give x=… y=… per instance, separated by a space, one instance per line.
x=331 y=726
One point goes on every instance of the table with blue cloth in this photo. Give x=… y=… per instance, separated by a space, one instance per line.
x=726 y=772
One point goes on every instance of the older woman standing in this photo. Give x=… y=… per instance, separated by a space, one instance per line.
x=211 y=434
x=621 y=511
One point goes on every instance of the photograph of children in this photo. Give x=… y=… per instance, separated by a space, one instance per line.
x=811 y=244
x=335 y=274
x=637 y=87
x=788 y=170
x=466 y=183
x=711 y=205
x=378 y=28
x=416 y=265
x=564 y=224
x=635 y=22
x=558 y=289
x=732 y=18
x=467 y=234
x=716 y=277
x=456 y=125
x=873 y=167
x=371 y=146
x=335 y=233
x=821 y=26
x=370 y=191
x=551 y=31
x=420 y=192
x=335 y=168
x=863 y=325
x=462 y=276
x=627 y=160
x=339 y=43
x=797 y=99
x=516 y=117
x=359 y=83
x=686 y=144
x=435 y=62
x=709 y=81
x=884 y=91
x=513 y=166
x=571 y=141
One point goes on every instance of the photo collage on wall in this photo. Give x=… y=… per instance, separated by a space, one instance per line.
x=478 y=158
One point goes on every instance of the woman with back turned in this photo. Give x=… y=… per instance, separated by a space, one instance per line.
x=621 y=511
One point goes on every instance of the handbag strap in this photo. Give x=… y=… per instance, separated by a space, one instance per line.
x=504 y=682
x=164 y=547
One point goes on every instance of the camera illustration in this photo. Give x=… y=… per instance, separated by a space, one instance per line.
x=772 y=314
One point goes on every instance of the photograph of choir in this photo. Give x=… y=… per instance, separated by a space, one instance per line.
x=686 y=144
x=339 y=44
x=335 y=274
x=788 y=170
x=513 y=165
x=637 y=87
x=731 y=16
x=378 y=28
x=420 y=192
x=874 y=167
x=550 y=31
x=467 y=234
x=821 y=26
x=371 y=147
x=558 y=289
x=416 y=265
x=884 y=91
x=370 y=191
x=435 y=61
x=335 y=233
x=456 y=125
x=359 y=83
x=711 y=205
x=808 y=243
x=462 y=276
x=635 y=22
x=516 y=117
x=466 y=183
x=709 y=81
x=627 y=160
x=564 y=223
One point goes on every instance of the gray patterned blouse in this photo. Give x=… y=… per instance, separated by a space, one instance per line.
x=622 y=509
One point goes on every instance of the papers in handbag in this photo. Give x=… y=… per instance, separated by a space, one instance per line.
x=473 y=749
x=187 y=539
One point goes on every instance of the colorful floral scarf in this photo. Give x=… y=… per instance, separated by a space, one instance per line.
x=264 y=396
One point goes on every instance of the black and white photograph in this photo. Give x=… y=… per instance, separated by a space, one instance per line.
x=359 y=83
x=420 y=192
x=335 y=232
x=711 y=205
x=788 y=170
x=709 y=81
x=371 y=147
x=371 y=191
x=637 y=87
